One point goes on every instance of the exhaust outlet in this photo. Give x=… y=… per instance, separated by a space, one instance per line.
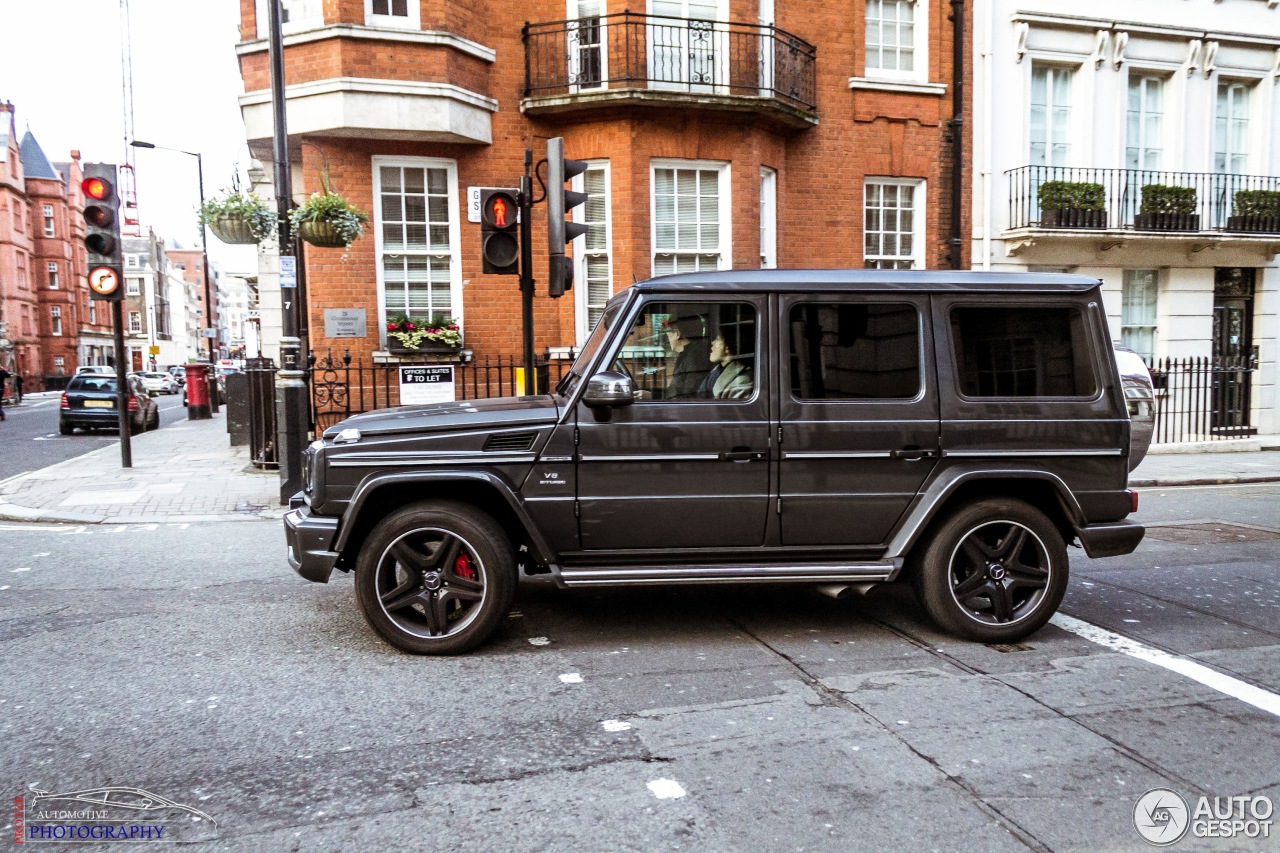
x=838 y=591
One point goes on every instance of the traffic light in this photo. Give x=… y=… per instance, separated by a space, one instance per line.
x=559 y=202
x=102 y=232
x=499 y=235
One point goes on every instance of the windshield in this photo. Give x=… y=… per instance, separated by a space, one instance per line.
x=594 y=341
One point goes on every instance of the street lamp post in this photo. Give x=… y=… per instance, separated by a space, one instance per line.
x=204 y=255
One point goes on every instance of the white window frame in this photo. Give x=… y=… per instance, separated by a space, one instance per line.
x=1140 y=77
x=573 y=13
x=50 y=229
x=919 y=47
x=455 y=233
x=918 y=211
x=411 y=21
x=724 y=214
x=312 y=20
x=1127 y=281
x=53 y=275
x=655 y=40
x=768 y=218
x=135 y=322
x=55 y=321
x=582 y=304
x=93 y=312
x=1251 y=92
x=1055 y=68
x=132 y=286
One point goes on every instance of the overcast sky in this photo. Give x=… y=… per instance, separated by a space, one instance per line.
x=61 y=67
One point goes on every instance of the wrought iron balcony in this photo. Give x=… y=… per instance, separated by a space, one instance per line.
x=1059 y=198
x=630 y=57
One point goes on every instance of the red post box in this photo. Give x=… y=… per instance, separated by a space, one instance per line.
x=197 y=392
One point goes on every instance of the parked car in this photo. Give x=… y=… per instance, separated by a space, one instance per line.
x=953 y=430
x=90 y=403
x=159 y=383
x=96 y=369
x=179 y=374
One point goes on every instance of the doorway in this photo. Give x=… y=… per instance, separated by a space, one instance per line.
x=1234 y=356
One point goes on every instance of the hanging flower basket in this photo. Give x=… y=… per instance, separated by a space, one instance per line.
x=232 y=229
x=321 y=233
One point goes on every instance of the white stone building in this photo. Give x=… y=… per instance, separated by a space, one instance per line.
x=1137 y=142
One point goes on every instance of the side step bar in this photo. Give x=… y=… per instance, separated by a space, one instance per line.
x=659 y=575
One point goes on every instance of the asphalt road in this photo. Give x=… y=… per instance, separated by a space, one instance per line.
x=30 y=440
x=189 y=661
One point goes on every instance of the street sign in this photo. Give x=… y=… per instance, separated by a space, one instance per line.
x=210 y=333
x=288 y=271
x=420 y=385
x=153 y=350
x=104 y=281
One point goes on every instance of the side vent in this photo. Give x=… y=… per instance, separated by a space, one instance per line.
x=511 y=441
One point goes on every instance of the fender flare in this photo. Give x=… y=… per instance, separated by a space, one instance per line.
x=924 y=509
x=373 y=483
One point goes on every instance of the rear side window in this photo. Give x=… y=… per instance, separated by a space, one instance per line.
x=88 y=382
x=847 y=351
x=1022 y=352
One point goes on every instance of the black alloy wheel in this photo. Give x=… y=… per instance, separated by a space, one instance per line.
x=995 y=571
x=436 y=578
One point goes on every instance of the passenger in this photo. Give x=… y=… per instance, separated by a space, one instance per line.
x=731 y=378
x=688 y=341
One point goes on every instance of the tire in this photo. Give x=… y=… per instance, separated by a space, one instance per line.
x=65 y=428
x=977 y=581
x=436 y=609
x=155 y=420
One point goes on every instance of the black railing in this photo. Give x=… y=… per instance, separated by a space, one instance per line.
x=1202 y=399
x=634 y=51
x=1199 y=201
x=342 y=386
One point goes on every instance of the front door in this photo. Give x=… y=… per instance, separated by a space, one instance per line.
x=687 y=464
x=859 y=415
x=1232 y=350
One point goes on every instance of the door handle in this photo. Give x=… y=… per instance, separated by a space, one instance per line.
x=742 y=455
x=913 y=453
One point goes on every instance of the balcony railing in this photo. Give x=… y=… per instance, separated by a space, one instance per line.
x=1180 y=201
x=664 y=54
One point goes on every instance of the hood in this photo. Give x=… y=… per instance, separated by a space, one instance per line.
x=460 y=415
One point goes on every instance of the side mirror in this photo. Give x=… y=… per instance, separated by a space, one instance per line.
x=609 y=389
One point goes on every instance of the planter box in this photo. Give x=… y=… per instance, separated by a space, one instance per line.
x=321 y=234
x=425 y=348
x=233 y=230
x=1259 y=223
x=1069 y=217
x=1167 y=222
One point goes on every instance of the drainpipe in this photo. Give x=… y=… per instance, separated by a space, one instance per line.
x=957 y=133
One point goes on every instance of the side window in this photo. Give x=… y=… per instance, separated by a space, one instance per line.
x=1022 y=352
x=692 y=352
x=847 y=351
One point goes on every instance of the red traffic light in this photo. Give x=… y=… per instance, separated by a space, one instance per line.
x=96 y=188
x=498 y=210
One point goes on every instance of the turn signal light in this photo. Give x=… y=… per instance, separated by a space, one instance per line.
x=133 y=403
x=1133 y=501
x=65 y=404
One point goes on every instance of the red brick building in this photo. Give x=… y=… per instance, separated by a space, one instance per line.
x=724 y=135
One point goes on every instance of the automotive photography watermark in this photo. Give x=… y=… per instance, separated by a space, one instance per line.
x=105 y=814
x=1163 y=817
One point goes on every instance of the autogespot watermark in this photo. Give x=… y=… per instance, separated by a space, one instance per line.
x=1163 y=817
x=107 y=814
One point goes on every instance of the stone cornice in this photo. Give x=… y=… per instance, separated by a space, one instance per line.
x=438 y=38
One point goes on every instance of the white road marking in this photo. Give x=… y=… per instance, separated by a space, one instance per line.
x=1211 y=678
x=666 y=789
x=571 y=678
x=615 y=726
x=23 y=569
x=539 y=641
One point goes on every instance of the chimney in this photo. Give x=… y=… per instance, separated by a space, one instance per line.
x=75 y=154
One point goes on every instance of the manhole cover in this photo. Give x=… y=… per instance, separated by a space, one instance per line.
x=1010 y=647
x=1210 y=534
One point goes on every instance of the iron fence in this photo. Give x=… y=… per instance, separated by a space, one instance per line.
x=1183 y=201
x=628 y=50
x=1202 y=399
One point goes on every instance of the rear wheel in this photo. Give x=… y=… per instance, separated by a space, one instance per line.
x=436 y=578
x=994 y=571
x=155 y=419
x=65 y=428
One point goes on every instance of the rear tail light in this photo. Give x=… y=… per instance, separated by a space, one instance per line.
x=65 y=404
x=133 y=403
x=1133 y=501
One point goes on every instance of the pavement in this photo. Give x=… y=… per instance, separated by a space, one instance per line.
x=188 y=472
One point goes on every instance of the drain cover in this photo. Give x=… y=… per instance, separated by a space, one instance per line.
x=1211 y=533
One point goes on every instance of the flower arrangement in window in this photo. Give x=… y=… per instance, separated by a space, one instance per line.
x=411 y=333
x=238 y=217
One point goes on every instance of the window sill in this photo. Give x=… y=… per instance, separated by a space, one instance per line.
x=902 y=86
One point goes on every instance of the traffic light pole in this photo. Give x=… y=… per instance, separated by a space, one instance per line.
x=291 y=380
x=526 y=269
x=122 y=385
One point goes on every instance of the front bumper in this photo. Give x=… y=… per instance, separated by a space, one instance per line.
x=1112 y=539
x=309 y=538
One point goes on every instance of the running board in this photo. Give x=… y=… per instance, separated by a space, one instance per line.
x=660 y=575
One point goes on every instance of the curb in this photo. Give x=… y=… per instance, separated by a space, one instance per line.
x=14 y=512
x=1202 y=481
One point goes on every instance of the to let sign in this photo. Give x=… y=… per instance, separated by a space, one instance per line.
x=420 y=385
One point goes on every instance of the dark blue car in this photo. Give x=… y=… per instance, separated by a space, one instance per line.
x=90 y=403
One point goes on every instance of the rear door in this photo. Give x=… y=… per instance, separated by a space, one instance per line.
x=859 y=414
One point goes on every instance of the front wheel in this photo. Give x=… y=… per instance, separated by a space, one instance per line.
x=436 y=578
x=994 y=571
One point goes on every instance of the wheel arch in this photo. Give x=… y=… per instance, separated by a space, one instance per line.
x=378 y=496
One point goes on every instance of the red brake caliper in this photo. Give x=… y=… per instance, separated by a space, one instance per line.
x=463 y=568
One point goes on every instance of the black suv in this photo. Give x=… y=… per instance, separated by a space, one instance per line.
x=834 y=428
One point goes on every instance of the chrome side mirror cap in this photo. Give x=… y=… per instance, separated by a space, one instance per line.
x=609 y=389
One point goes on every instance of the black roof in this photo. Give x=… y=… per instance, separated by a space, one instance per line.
x=755 y=281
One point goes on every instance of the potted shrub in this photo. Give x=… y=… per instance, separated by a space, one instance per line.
x=327 y=218
x=238 y=218
x=406 y=334
x=1167 y=208
x=1255 y=210
x=1070 y=204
